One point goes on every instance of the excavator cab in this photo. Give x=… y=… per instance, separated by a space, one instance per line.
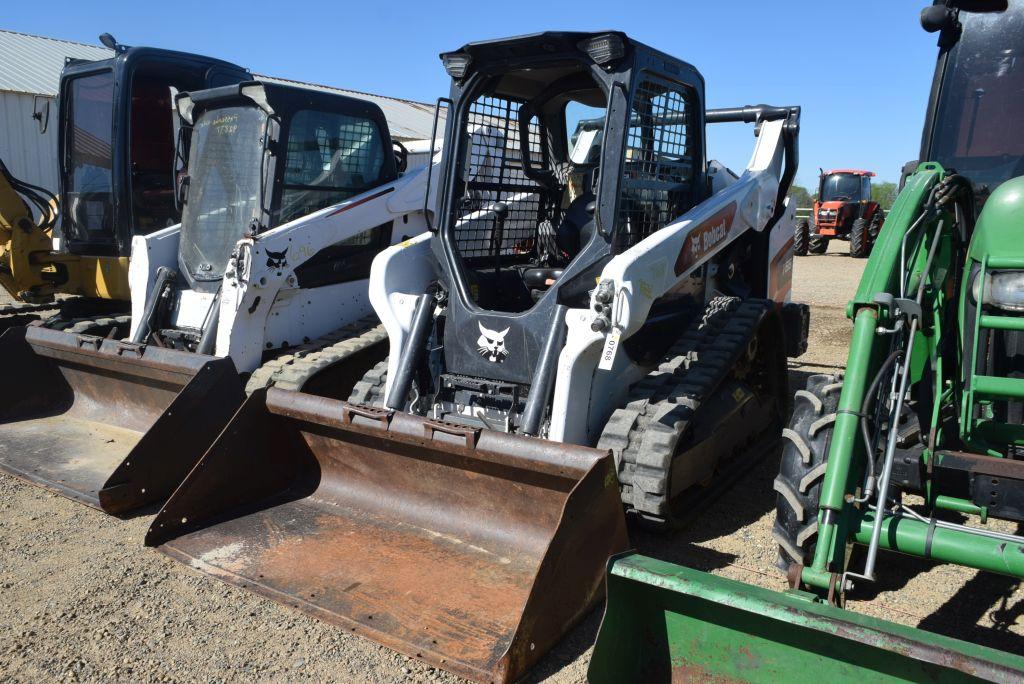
x=117 y=143
x=116 y=133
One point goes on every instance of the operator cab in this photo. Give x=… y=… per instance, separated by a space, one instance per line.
x=845 y=186
x=260 y=155
x=566 y=150
x=528 y=211
x=117 y=148
x=972 y=124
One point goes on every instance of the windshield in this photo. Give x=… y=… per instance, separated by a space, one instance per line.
x=841 y=187
x=224 y=188
x=88 y=190
x=976 y=129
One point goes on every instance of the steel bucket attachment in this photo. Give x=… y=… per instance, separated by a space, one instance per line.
x=668 y=623
x=113 y=425
x=473 y=550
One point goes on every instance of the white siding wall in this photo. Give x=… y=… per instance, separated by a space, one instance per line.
x=30 y=156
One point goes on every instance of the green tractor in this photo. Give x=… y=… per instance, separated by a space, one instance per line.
x=917 y=450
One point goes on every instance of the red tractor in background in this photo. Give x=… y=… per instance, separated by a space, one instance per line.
x=844 y=210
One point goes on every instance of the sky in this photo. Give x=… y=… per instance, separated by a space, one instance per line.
x=861 y=71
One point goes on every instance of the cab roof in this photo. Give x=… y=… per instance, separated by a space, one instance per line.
x=852 y=172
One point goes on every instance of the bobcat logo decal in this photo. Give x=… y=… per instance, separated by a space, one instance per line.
x=491 y=344
x=277 y=259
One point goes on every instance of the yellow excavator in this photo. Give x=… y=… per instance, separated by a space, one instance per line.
x=118 y=142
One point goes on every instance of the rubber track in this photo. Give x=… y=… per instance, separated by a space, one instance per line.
x=370 y=390
x=100 y=326
x=644 y=433
x=294 y=369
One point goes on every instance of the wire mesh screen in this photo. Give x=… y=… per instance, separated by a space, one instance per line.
x=330 y=157
x=492 y=172
x=658 y=170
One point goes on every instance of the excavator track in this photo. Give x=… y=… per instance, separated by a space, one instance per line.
x=101 y=326
x=72 y=314
x=292 y=371
x=23 y=313
x=665 y=407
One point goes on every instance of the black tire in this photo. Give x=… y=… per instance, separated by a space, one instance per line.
x=875 y=227
x=802 y=469
x=801 y=238
x=817 y=245
x=860 y=242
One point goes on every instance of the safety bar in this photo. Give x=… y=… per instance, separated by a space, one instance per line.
x=750 y=114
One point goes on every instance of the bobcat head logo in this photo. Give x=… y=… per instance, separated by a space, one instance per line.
x=491 y=344
x=277 y=259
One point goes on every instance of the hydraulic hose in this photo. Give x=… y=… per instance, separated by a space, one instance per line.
x=164 y=277
x=869 y=400
x=43 y=200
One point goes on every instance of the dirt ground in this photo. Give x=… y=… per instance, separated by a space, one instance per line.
x=82 y=600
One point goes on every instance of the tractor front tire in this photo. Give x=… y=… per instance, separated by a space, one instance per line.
x=802 y=469
x=817 y=244
x=860 y=241
x=801 y=238
x=875 y=227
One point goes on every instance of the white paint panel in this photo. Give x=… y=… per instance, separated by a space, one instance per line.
x=192 y=309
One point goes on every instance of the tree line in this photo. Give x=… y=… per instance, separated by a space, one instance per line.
x=884 y=193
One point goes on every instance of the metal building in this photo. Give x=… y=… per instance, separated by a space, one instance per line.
x=30 y=68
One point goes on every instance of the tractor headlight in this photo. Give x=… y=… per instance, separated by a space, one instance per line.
x=1004 y=290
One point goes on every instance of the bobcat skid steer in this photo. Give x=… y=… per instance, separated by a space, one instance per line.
x=585 y=284
x=289 y=195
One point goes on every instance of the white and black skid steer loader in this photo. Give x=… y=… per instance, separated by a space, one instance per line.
x=289 y=195
x=596 y=316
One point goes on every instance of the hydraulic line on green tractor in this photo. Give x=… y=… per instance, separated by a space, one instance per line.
x=916 y=256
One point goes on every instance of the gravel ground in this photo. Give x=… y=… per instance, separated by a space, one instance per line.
x=82 y=600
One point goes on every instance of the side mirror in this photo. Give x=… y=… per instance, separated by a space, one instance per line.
x=908 y=168
x=41 y=111
x=935 y=18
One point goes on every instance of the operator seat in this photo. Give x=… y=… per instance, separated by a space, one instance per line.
x=574 y=231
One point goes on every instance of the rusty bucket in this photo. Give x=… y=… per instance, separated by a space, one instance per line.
x=110 y=424
x=472 y=550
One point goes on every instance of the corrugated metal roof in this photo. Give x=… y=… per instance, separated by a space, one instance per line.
x=407 y=119
x=32 y=64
